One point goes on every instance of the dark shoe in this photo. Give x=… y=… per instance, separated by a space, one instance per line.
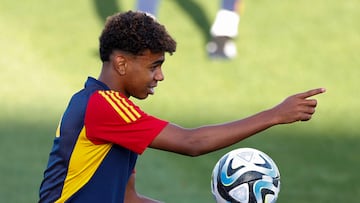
x=221 y=47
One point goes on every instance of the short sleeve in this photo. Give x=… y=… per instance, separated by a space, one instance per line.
x=112 y=118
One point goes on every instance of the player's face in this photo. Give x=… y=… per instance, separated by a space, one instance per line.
x=143 y=74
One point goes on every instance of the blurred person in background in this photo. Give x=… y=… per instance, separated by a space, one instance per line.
x=224 y=28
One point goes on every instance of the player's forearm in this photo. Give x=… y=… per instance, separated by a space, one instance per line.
x=298 y=107
x=210 y=138
x=144 y=199
x=137 y=198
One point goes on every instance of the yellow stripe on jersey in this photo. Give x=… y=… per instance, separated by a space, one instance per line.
x=114 y=96
x=130 y=107
x=116 y=107
x=57 y=134
x=85 y=160
x=121 y=106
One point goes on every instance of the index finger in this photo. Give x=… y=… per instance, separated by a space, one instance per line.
x=310 y=93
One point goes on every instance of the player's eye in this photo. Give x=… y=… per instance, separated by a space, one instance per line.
x=154 y=67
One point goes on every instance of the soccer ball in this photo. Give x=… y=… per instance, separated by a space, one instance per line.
x=245 y=175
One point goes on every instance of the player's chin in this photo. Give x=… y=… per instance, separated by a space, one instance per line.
x=142 y=96
x=144 y=93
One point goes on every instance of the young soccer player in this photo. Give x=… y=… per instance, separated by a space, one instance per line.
x=102 y=132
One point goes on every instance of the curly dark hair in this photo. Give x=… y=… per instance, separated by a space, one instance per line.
x=134 y=32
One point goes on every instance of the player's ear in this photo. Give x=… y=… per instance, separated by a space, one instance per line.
x=120 y=64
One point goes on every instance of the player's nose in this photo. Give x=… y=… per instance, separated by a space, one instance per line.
x=159 y=76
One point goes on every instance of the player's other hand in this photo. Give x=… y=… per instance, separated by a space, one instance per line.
x=298 y=107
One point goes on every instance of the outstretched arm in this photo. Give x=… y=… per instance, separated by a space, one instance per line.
x=205 y=139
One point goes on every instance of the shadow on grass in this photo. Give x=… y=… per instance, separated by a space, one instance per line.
x=24 y=149
x=314 y=166
x=198 y=16
x=105 y=8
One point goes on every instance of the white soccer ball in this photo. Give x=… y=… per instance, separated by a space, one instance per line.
x=245 y=175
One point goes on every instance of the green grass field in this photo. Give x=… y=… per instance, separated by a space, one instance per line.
x=48 y=48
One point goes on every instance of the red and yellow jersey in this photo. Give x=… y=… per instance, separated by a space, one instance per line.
x=96 y=146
